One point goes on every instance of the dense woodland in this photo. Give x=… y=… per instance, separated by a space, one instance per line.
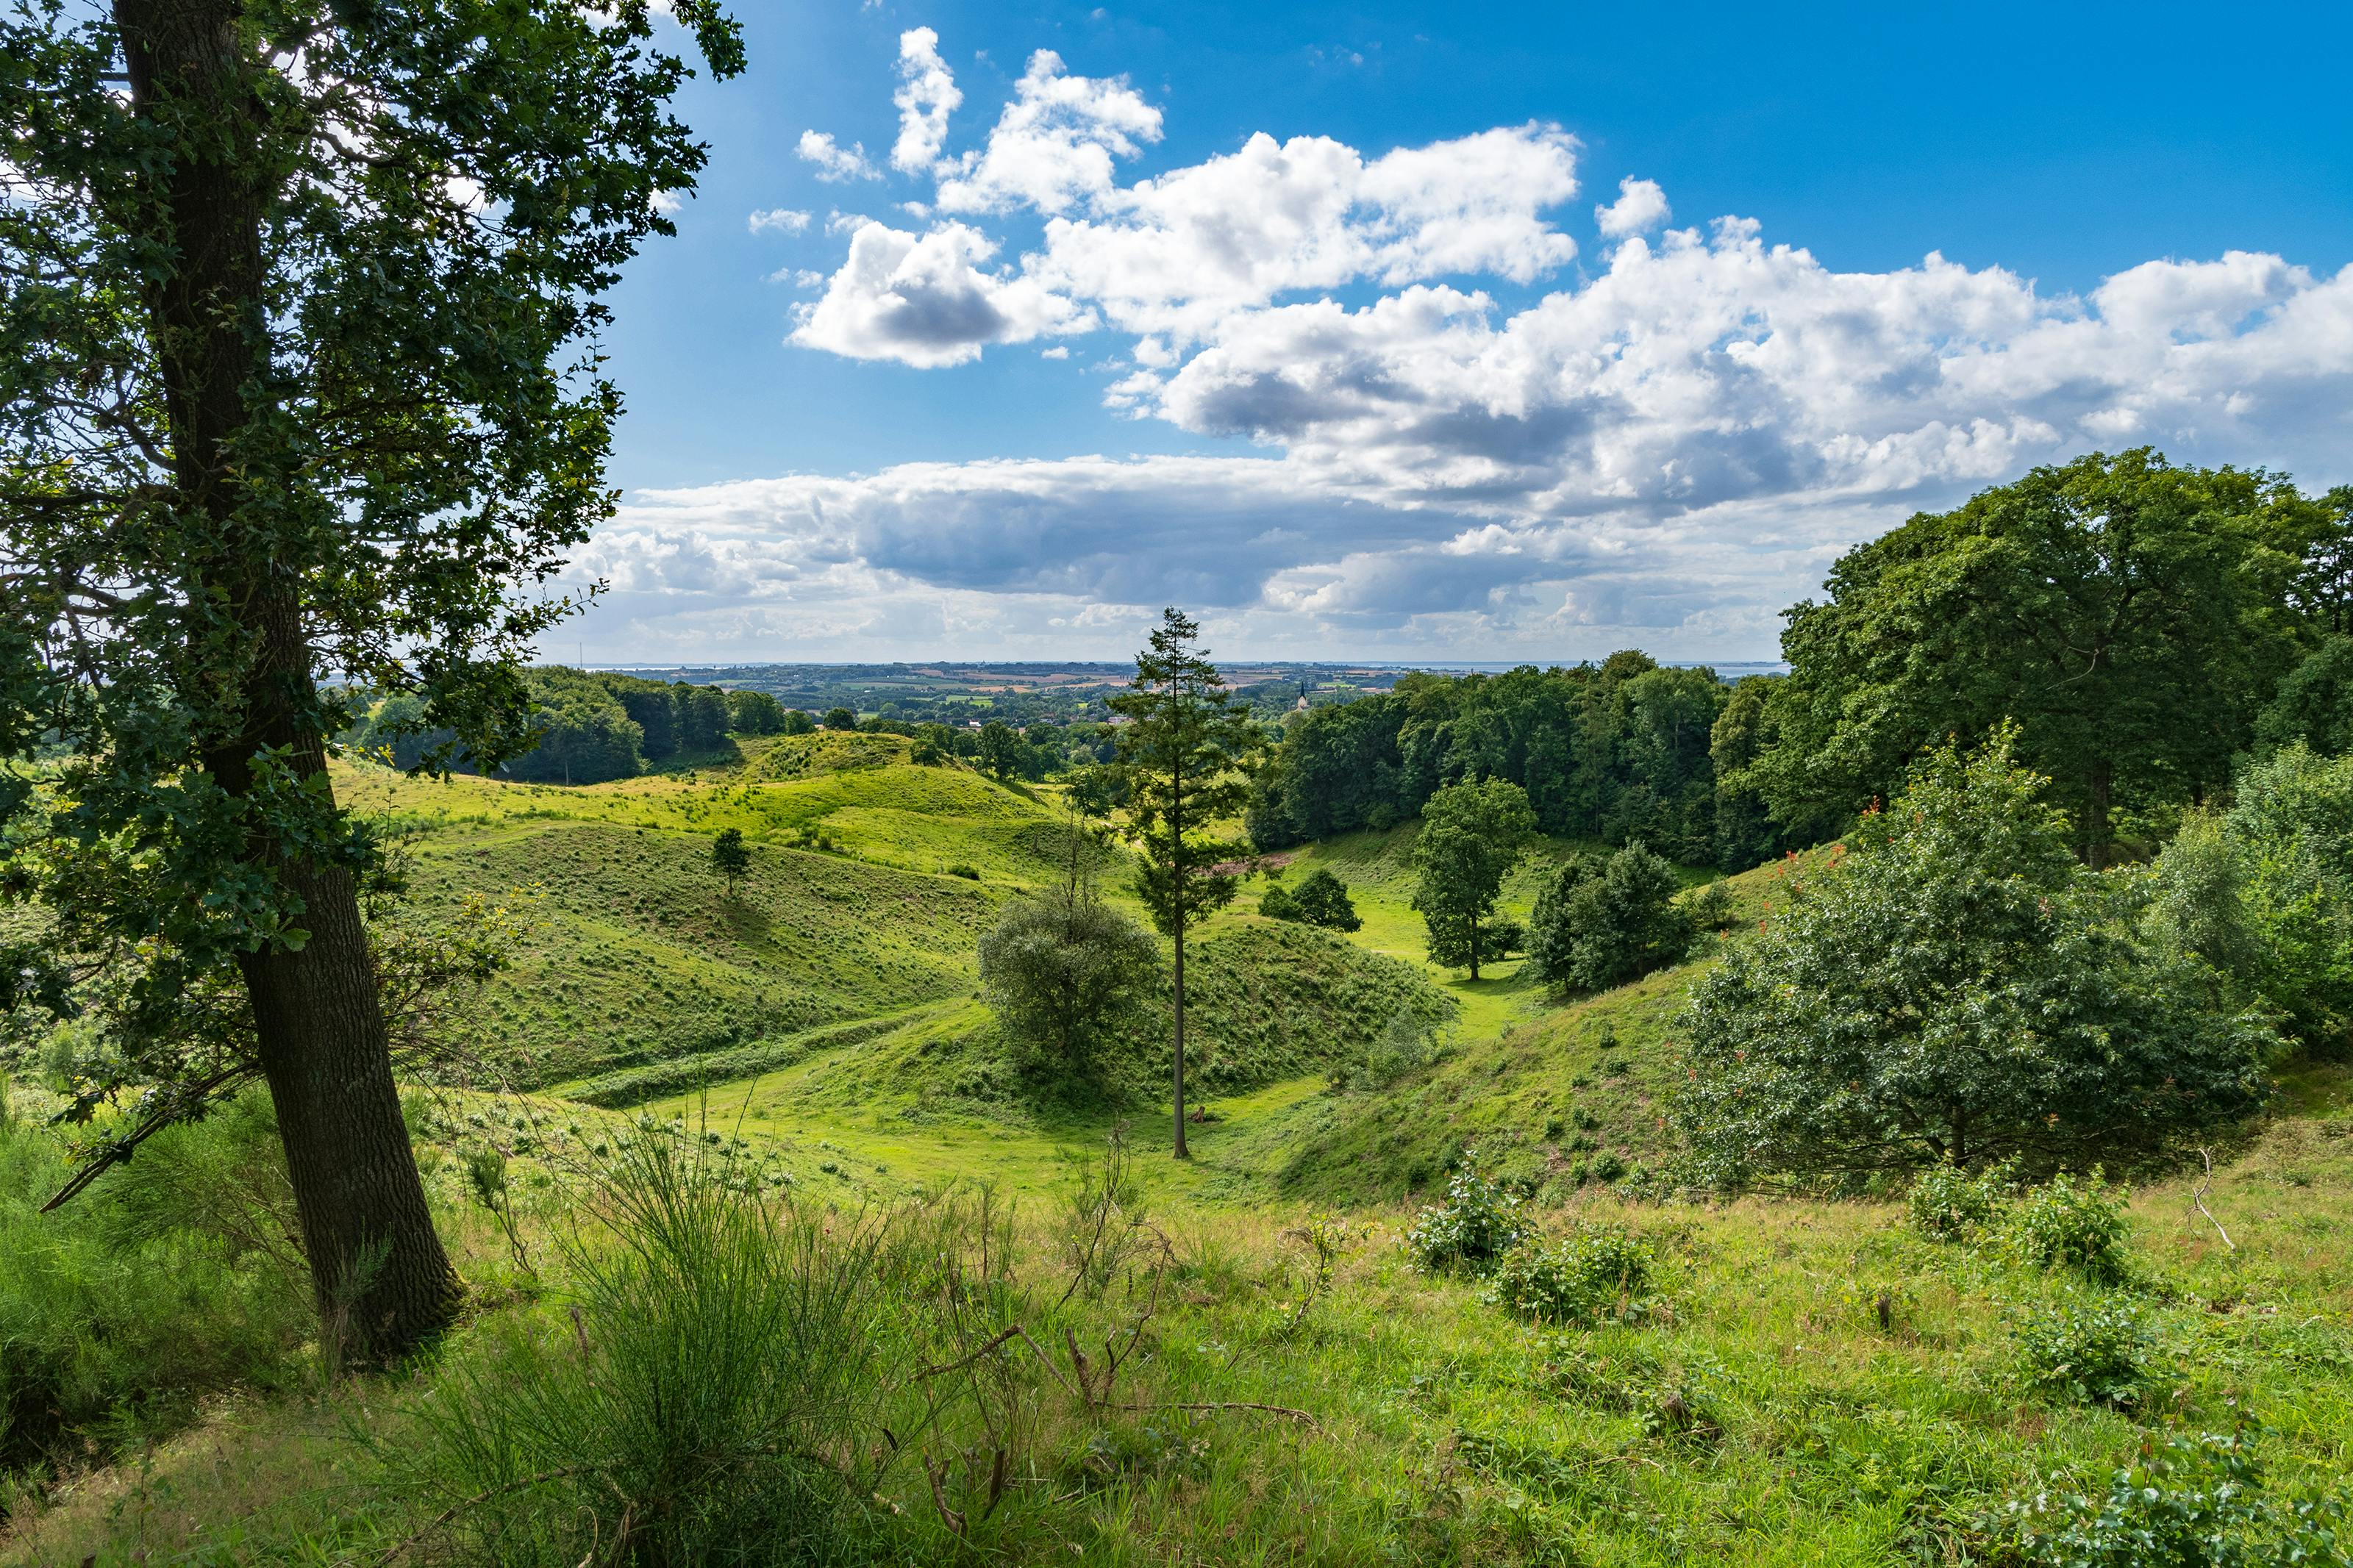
x=2148 y=626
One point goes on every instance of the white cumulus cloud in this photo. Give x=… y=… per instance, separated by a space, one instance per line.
x=779 y=220
x=1180 y=254
x=927 y=95
x=1641 y=205
x=834 y=161
x=1054 y=146
x=925 y=301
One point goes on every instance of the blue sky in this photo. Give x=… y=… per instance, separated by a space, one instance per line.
x=1307 y=317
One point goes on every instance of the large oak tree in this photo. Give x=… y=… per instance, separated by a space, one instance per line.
x=299 y=390
x=2130 y=615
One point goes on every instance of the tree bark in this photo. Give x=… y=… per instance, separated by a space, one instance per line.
x=382 y=1280
x=1176 y=900
x=1179 y=1087
x=2095 y=816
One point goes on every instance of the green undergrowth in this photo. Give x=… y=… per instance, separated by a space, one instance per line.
x=1808 y=1382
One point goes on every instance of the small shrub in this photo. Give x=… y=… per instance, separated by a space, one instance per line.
x=2063 y=1225
x=1104 y=1227
x=1709 y=906
x=1596 y=1274
x=2085 y=1352
x=1480 y=1221
x=1949 y=1204
x=1324 y=1239
x=968 y=872
x=1405 y=1043
x=1322 y=900
x=2197 y=1502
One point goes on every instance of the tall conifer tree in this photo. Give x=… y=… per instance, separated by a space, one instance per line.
x=1187 y=754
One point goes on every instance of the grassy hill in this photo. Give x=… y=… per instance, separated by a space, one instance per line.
x=637 y=952
x=1807 y=1382
x=642 y=973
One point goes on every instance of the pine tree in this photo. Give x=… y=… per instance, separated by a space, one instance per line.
x=1185 y=755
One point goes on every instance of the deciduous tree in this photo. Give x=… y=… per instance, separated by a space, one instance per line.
x=1472 y=833
x=1960 y=987
x=300 y=304
x=2130 y=615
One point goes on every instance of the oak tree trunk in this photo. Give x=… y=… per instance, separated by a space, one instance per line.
x=2095 y=816
x=382 y=1279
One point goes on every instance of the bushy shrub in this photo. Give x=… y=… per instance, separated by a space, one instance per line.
x=1480 y=1221
x=1949 y=1204
x=1405 y=1043
x=1710 y=907
x=2085 y=1350
x=2196 y=1502
x=1959 y=986
x=2062 y=1225
x=1063 y=970
x=1320 y=900
x=2292 y=825
x=1598 y=1272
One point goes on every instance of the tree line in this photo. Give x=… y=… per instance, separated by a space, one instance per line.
x=2147 y=627
x=586 y=726
x=1619 y=751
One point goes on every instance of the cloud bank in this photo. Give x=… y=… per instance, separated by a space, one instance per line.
x=1461 y=433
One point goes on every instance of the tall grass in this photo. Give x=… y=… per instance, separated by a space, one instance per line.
x=172 y=1280
x=716 y=1385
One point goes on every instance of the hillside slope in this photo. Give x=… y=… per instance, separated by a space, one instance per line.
x=1562 y=1092
x=642 y=973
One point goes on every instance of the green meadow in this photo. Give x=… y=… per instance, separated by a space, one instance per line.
x=1798 y=1380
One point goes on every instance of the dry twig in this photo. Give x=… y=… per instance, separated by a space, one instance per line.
x=2198 y=1200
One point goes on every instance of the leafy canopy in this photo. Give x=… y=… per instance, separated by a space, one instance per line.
x=1472 y=833
x=1186 y=756
x=1959 y=987
x=301 y=379
x=2289 y=837
x=2130 y=616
